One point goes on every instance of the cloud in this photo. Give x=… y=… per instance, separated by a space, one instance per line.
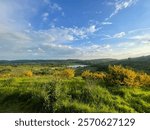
x=12 y=35
x=120 y=5
x=50 y=43
x=64 y=35
x=53 y=6
x=98 y=12
x=83 y=32
x=110 y=3
x=133 y=49
x=119 y=35
x=94 y=51
x=106 y=23
x=115 y=36
x=143 y=39
x=118 y=51
x=138 y=30
x=45 y=16
x=141 y=35
x=20 y=40
x=91 y=29
x=126 y=45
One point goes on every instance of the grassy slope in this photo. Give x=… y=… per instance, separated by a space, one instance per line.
x=73 y=95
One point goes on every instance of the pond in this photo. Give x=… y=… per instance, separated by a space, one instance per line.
x=76 y=66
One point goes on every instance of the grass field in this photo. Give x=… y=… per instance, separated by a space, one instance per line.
x=38 y=88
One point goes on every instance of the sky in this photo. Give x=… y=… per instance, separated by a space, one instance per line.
x=74 y=29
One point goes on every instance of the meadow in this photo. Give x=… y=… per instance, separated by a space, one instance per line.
x=57 y=88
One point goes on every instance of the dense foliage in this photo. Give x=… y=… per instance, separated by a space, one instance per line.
x=120 y=76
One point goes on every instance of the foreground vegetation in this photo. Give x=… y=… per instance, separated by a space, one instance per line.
x=47 y=88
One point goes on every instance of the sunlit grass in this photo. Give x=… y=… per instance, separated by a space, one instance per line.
x=54 y=92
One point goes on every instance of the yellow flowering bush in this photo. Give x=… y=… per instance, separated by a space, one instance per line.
x=121 y=76
x=86 y=74
x=68 y=73
x=93 y=75
x=28 y=73
x=144 y=79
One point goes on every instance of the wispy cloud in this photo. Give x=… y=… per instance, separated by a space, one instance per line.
x=106 y=23
x=53 y=6
x=94 y=51
x=115 y=36
x=45 y=16
x=120 y=5
x=132 y=48
x=138 y=30
x=119 y=35
x=141 y=37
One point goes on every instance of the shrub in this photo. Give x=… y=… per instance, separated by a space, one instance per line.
x=90 y=75
x=28 y=73
x=86 y=74
x=144 y=79
x=121 y=76
x=98 y=75
x=68 y=73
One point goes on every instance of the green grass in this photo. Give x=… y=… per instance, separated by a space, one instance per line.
x=75 y=95
x=47 y=93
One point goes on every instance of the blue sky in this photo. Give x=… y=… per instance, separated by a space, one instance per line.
x=74 y=29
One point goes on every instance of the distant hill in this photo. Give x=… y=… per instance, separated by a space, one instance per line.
x=139 y=63
x=56 y=62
